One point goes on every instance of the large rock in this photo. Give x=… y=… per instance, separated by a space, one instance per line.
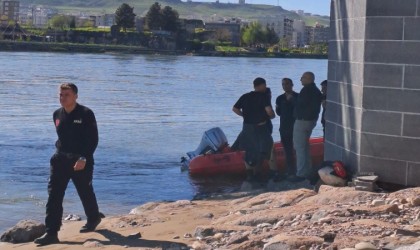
x=24 y=231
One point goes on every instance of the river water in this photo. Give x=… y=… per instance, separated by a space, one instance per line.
x=150 y=110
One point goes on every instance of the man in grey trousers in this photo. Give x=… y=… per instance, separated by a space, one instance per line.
x=307 y=109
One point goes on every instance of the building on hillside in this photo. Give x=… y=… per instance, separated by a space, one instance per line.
x=321 y=33
x=300 y=12
x=106 y=20
x=11 y=10
x=190 y=25
x=39 y=17
x=241 y=1
x=25 y=14
x=317 y=34
x=283 y=27
x=298 y=39
x=229 y=31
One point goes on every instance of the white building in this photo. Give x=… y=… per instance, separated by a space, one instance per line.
x=298 y=39
x=39 y=17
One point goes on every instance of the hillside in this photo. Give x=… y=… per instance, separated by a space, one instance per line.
x=198 y=10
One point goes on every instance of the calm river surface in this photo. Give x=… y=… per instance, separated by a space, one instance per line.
x=150 y=109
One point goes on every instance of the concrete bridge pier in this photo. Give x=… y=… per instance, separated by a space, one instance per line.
x=373 y=107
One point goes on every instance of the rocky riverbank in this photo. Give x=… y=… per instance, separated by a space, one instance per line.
x=333 y=218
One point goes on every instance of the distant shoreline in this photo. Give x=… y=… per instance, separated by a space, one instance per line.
x=19 y=46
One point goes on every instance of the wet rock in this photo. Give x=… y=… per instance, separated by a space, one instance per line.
x=23 y=231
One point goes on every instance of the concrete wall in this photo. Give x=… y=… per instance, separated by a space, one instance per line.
x=373 y=107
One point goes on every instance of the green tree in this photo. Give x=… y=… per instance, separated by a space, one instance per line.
x=253 y=34
x=170 y=19
x=125 y=17
x=60 y=22
x=271 y=35
x=72 y=23
x=154 y=17
x=85 y=23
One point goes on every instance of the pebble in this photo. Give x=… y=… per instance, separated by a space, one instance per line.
x=377 y=203
x=325 y=220
x=187 y=235
x=91 y=244
x=415 y=202
x=365 y=246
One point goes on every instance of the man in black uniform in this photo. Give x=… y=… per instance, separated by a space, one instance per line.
x=255 y=108
x=285 y=104
x=77 y=140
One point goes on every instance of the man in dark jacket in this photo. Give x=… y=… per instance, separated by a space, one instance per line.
x=77 y=140
x=255 y=108
x=285 y=104
x=307 y=110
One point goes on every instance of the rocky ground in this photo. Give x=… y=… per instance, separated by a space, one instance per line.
x=333 y=218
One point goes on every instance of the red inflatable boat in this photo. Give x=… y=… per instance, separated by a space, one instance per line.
x=232 y=162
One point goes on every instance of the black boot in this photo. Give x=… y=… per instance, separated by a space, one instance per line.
x=250 y=176
x=275 y=176
x=47 y=239
x=90 y=226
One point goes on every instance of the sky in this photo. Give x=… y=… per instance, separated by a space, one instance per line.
x=320 y=7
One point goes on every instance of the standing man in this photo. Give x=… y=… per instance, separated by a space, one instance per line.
x=307 y=110
x=324 y=103
x=77 y=140
x=255 y=108
x=285 y=105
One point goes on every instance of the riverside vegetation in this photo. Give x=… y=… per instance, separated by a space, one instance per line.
x=163 y=33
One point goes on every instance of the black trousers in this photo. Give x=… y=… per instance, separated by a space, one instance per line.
x=286 y=137
x=257 y=143
x=61 y=172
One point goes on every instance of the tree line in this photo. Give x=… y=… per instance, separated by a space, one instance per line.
x=167 y=19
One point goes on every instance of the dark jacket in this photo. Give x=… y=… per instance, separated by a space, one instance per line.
x=285 y=109
x=308 y=103
x=77 y=132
